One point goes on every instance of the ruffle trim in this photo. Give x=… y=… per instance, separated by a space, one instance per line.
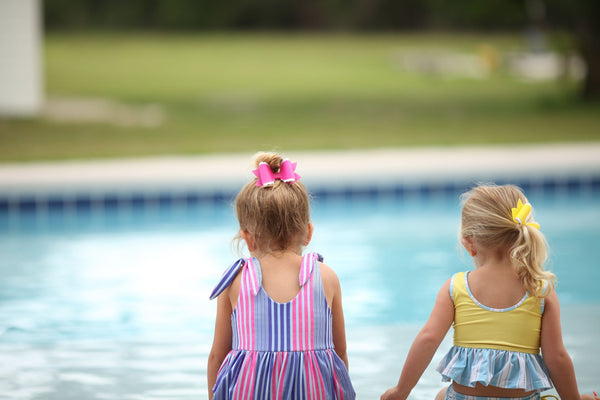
x=502 y=368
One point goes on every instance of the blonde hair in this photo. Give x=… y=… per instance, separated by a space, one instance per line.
x=487 y=220
x=277 y=215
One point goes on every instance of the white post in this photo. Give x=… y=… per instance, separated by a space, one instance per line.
x=21 y=82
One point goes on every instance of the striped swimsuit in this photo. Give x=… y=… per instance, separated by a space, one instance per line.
x=281 y=350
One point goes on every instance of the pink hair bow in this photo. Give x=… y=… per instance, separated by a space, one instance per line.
x=267 y=177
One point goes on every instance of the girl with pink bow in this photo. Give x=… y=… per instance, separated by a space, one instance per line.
x=279 y=331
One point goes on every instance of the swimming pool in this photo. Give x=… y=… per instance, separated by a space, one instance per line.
x=112 y=302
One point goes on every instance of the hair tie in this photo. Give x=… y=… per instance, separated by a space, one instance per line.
x=521 y=213
x=266 y=177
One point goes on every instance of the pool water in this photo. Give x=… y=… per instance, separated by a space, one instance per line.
x=114 y=304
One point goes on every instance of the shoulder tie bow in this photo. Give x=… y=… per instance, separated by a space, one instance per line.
x=253 y=276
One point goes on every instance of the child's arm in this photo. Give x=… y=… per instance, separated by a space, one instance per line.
x=333 y=291
x=338 y=326
x=425 y=345
x=555 y=354
x=222 y=339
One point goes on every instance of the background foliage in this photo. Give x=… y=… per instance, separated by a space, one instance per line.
x=304 y=14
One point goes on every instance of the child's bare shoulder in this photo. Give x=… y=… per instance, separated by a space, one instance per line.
x=329 y=276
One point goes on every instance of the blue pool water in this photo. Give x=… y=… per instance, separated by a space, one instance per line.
x=113 y=304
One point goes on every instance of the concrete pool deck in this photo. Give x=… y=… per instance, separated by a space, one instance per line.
x=352 y=168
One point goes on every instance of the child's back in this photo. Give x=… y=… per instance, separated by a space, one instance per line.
x=496 y=287
x=280 y=278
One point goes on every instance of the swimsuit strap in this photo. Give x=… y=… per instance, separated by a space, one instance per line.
x=452 y=285
x=228 y=276
x=308 y=264
x=254 y=274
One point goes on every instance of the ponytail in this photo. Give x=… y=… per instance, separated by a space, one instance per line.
x=528 y=255
x=488 y=218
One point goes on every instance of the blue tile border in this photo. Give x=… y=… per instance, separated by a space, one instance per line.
x=110 y=200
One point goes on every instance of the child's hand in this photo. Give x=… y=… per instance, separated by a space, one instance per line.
x=394 y=394
x=590 y=397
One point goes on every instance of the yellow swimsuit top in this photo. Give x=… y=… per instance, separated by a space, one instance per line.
x=516 y=328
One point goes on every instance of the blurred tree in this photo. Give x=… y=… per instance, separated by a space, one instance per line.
x=65 y=14
x=390 y=14
x=194 y=15
x=477 y=14
x=582 y=18
x=282 y=14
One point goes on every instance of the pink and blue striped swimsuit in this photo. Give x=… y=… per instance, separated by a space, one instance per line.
x=281 y=350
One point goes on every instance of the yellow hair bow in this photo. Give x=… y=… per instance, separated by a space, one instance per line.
x=521 y=213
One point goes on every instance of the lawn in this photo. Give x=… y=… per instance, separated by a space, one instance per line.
x=158 y=94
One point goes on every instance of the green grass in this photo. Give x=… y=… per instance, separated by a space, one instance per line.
x=242 y=92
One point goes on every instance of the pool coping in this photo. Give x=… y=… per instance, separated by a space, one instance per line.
x=217 y=177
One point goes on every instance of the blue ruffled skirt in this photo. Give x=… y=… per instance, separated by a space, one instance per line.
x=501 y=368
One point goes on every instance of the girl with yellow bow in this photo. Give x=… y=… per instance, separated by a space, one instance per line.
x=503 y=312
